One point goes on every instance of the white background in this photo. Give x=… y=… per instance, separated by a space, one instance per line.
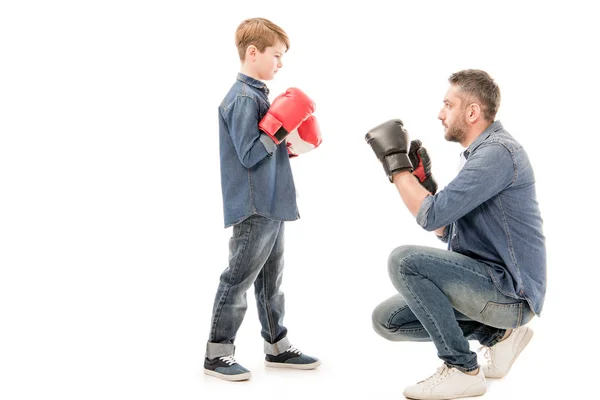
x=111 y=230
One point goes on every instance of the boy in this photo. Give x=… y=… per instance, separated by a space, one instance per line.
x=258 y=196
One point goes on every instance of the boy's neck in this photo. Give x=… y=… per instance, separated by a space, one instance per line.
x=249 y=72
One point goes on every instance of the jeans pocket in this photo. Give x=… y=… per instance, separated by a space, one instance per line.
x=237 y=230
x=241 y=228
x=502 y=315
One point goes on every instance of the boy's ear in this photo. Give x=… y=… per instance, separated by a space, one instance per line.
x=251 y=52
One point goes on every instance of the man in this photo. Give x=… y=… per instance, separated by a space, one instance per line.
x=492 y=279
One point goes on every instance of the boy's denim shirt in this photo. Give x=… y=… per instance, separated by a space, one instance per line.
x=491 y=214
x=256 y=176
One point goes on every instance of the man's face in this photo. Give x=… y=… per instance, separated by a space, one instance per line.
x=453 y=116
x=268 y=62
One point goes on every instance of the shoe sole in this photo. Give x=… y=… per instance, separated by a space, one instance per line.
x=479 y=392
x=522 y=344
x=293 y=366
x=237 y=377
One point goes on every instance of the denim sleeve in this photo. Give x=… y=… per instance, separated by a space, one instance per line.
x=488 y=171
x=445 y=235
x=242 y=119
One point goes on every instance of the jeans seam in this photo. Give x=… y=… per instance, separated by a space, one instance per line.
x=267 y=305
x=266 y=296
x=225 y=293
x=404 y=330
x=424 y=308
x=389 y=321
x=455 y=264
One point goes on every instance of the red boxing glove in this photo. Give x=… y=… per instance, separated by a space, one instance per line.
x=304 y=139
x=286 y=113
x=290 y=154
x=421 y=162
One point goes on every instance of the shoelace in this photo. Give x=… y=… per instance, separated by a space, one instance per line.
x=292 y=349
x=442 y=372
x=228 y=360
x=489 y=355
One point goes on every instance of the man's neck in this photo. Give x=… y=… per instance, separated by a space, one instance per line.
x=474 y=133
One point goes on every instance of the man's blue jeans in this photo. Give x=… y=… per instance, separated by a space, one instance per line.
x=255 y=257
x=447 y=298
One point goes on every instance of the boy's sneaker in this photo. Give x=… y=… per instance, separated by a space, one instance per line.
x=226 y=368
x=292 y=358
x=503 y=354
x=447 y=383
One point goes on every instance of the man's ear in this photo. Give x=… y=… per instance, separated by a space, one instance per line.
x=473 y=112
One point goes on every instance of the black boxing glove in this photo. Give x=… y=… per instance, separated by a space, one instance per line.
x=389 y=141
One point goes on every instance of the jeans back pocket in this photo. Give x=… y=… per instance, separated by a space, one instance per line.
x=505 y=315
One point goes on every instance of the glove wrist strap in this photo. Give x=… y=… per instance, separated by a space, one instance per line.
x=395 y=163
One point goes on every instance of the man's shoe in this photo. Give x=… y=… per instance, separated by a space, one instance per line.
x=447 y=383
x=292 y=358
x=226 y=368
x=503 y=354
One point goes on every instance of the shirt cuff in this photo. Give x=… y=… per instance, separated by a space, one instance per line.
x=269 y=144
x=423 y=211
x=444 y=237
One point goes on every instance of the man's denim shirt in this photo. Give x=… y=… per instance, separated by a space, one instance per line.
x=256 y=176
x=491 y=214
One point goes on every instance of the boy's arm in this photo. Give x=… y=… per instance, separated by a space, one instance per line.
x=251 y=145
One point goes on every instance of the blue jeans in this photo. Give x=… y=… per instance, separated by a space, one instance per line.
x=447 y=298
x=255 y=257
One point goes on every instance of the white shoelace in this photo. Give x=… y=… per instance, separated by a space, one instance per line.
x=229 y=360
x=489 y=355
x=441 y=373
x=292 y=349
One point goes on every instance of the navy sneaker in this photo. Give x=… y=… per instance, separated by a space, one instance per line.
x=292 y=358
x=226 y=368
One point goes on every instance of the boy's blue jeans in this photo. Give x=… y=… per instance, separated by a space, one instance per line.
x=255 y=257
x=447 y=298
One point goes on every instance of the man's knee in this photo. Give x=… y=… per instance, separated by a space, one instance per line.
x=379 y=318
x=403 y=260
x=382 y=314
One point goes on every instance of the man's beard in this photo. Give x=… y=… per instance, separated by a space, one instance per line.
x=457 y=131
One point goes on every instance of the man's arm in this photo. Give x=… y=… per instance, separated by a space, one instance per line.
x=412 y=194
x=487 y=172
x=389 y=141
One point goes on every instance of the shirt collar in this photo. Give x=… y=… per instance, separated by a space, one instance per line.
x=252 y=82
x=494 y=127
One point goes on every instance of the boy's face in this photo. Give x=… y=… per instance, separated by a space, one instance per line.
x=267 y=63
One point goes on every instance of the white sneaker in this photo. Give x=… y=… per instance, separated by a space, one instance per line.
x=502 y=355
x=447 y=383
